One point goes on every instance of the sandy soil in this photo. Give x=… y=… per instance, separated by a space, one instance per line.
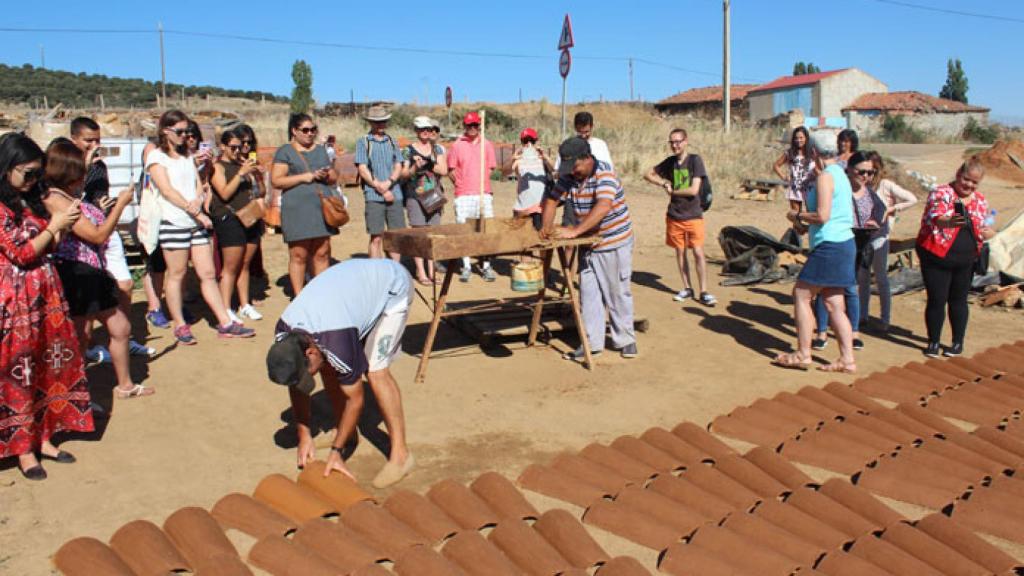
x=216 y=425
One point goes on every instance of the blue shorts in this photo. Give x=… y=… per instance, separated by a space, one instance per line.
x=831 y=265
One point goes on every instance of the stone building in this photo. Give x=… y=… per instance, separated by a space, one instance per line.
x=820 y=96
x=707 y=101
x=921 y=111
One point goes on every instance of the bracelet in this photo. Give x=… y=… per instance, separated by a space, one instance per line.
x=336 y=449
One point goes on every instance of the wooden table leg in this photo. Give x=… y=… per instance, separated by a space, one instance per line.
x=428 y=346
x=569 y=271
x=538 y=308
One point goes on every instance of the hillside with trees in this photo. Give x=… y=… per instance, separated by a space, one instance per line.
x=24 y=84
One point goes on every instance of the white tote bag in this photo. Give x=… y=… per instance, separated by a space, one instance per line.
x=149 y=216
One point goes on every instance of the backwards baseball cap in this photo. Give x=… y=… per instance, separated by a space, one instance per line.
x=528 y=133
x=470 y=118
x=569 y=152
x=287 y=364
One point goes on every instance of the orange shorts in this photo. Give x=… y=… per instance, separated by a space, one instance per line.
x=684 y=233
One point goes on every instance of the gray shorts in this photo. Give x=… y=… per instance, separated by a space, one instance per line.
x=381 y=216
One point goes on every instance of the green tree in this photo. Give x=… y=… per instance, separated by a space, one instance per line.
x=812 y=69
x=956 y=82
x=799 y=69
x=302 y=94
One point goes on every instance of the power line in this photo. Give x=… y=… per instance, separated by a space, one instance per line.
x=950 y=11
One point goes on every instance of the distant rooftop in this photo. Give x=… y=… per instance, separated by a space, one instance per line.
x=909 y=102
x=793 y=81
x=708 y=94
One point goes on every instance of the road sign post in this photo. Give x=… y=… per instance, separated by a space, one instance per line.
x=565 y=41
x=448 y=104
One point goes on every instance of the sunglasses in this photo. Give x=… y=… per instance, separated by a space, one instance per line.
x=179 y=131
x=193 y=136
x=235 y=148
x=32 y=174
x=674 y=142
x=866 y=172
x=473 y=125
x=246 y=142
x=309 y=130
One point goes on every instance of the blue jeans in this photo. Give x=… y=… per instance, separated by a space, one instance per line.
x=852 y=309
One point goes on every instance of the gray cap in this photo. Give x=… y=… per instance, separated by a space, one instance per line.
x=571 y=150
x=825 y=143
x=287 y=364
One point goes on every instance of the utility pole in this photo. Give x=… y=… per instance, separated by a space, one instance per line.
x=726 y=88
x=163 y=68
x=630 y=79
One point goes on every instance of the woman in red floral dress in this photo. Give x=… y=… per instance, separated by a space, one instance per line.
x=42 y=379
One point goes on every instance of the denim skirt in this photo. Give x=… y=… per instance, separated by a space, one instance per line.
x=831 y=265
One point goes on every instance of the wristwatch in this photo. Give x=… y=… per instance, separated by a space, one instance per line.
x=800 y=220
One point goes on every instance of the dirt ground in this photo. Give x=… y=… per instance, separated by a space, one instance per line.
x=217 y=425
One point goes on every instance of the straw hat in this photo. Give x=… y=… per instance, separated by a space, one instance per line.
x=377 y=114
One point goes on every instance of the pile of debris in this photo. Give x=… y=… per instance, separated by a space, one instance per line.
x=1004 y=160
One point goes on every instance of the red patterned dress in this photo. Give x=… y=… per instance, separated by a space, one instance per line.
x=42 y=377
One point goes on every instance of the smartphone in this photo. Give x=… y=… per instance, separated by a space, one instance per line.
x=252 y=156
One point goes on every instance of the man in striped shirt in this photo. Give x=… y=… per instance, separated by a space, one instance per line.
x=595 y=196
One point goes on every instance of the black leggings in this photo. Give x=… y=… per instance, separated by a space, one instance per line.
x=947 y=285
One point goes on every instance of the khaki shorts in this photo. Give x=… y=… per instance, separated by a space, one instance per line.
x=385 y=339
x=684 y=233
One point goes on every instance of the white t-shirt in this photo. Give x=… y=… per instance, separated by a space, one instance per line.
x=600 y=151
x=182 y=174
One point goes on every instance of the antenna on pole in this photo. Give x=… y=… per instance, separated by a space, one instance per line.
x=163 y=68
x=630 y=79
x=726 y=88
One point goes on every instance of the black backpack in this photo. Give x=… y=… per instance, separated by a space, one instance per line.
x=705 y=193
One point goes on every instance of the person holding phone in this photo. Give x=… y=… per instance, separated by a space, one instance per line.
x=952 y=232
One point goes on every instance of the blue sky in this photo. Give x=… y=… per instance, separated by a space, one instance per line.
x=904 y=47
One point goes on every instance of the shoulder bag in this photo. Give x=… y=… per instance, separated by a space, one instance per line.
x=427 y=186
x=249 y=214
x=331 y=207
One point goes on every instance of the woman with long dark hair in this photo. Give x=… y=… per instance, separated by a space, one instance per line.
x=43 y=389
x=804 y=165
x=302 y=171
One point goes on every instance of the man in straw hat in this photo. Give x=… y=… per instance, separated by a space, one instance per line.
x=347 y=322
x=379 y=161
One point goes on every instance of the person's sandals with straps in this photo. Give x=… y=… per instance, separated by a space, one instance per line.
x=136 y=391
x=792 y=360
x=840 y=367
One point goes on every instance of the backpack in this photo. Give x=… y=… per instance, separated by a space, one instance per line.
x=705 y=193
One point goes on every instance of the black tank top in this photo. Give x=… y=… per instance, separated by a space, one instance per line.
x=241 y=197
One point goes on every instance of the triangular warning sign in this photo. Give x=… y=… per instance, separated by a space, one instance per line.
x=565 y=40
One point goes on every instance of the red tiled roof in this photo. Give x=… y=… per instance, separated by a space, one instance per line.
x=909 y=102
x=791 y=81
x=708 y=94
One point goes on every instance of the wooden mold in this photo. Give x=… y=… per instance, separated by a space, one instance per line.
x=246 y=514
x=503 y=497
x=336 y=488
x=462 y=505
x=478 y=557
x=337 y=544
x=421 y=515
x=88 y=557
x=291 y=500
x=448 y=241
x=563 y=531
x=146 y=549
x=280 y=557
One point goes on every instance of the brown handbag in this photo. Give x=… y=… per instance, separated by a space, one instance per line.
x=333 y=208
x=249 y=214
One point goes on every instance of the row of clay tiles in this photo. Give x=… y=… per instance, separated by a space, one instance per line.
x=761 y=503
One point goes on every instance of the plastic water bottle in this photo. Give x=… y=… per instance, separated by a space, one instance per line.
x=990 y=220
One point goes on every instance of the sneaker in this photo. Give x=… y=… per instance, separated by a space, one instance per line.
x=579 y=355
x=464 y=275
x=235 y=330
x=136 y=349
x=858 y=344
x=183 y=334
x=683 y=295
x=707 y=299
x=955 y=350
x=157 y=319
x=932 y=351
x=819 y=343
x=234 y=317
x=629 y=350
x=249 y=312
x=98 y=355
x=489 y=274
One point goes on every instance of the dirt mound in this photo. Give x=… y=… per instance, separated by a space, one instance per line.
x=997 y=160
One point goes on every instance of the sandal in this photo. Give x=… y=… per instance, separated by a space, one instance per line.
x=137 y=391
x=840 y=367
x=791 y=360
x=425 y=281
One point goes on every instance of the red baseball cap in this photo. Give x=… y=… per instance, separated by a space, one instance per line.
x=471 y=118
x=528 y=133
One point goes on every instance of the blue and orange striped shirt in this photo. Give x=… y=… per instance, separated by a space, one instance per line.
x=616 y=228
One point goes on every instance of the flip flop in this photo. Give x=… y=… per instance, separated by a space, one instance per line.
x=791 y=360
x=839 y=367
x=137 y=391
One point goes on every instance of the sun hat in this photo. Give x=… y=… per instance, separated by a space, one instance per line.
x=422 y=122
x=572 y=149
x=377 y=113
x=287 y=364
x=470 y=118
x=528 y=133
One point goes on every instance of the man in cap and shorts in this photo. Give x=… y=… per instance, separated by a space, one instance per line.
x=464 y=170
x=347 y=322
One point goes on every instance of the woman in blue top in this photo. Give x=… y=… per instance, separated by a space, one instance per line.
x=830 y=265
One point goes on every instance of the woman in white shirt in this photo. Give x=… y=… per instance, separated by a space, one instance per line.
x=184 y=228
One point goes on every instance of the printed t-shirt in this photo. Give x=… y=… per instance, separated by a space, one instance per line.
x=681 y=175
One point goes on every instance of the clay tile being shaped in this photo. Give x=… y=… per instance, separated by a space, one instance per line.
x=478 y=557
x=558 y=484
x=88 y=557
x=280 y=557
x=246 y=514
x=336 y=488
x=337 y=544
x=563 y=531
x=503 y=497
x=202 y=542
x=288 y=498
x=421 y=515
x=381 y=529
x=462 y=505
x=527 y=549
x=423 y=561
x=623 y=566
x=146 y=549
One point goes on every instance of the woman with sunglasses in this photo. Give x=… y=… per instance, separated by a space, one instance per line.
x=43 y=388
x=234 y=188
x=302 y=171
x=424 y=166
x=184 y=228
x=250 y=146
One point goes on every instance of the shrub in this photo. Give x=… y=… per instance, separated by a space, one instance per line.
x=895 y=128
x=975 y=131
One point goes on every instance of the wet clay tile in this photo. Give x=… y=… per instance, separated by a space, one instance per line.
x=478 y=557
x=851 y=396
x=825 y=399
x=661 y=508
x=857 y=435
x=461 y=504
x=711 y=480
x=930 y=551
x=381 y=529
x=574 y=572
x=371 y=570
x=839 y=563
x=891 y=558
x=931 y=369
x=1002 y=440
x=968 y=410
x=748 y=554
x=997 y=360
x=894 y=434
x=967 y=543
x=280 y=557
x=969 y=474
x=421 y=515
x=558 y=484
x=288 y=498
x=590 y=472
x=526 y=548
x=565 y=533
x=336 y=488
x=691 y=496
x=146 y=549
x=994 y=512
x=800 y=524
x=749 y=475
x=952 y=451
x=1015 y=428
x=778 y=467
x=503 y=497
x=623 y=566
x=917 y=380
x=246 y=514
x=1007 y=400
x=978 y=368
x=831 y=512
x=900 y=479
x=631 y=524
x=702 y=440
x=905 y=422
x=953 y=369
x=1009 y=484
x=643 y=452
x=829 y=451
x=88 y=557
x=200 y=540
x=684 y=559
x=783 y=410
x=671 y=444
x=626 y=466
x=774 y=538
x=928 y=418
x=337 y=544
x=1004 y=387
x=888 y=387
x=823 y=412
x=754 y=427
x=860 y=501
x=423 y=561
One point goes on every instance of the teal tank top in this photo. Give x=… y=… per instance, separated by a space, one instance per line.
x=839 y=227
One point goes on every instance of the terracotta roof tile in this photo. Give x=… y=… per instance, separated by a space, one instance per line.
x=708 y=94
x=791 y=81
x=910 y=102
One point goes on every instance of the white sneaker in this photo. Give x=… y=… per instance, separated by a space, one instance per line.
x=682 y=295
x=233 y=317
x=136 y=349
x=249 y=312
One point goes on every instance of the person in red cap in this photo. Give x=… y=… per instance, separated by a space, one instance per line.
x=532 y=169
x=464 y=170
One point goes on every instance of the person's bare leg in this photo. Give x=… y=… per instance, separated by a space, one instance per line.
x=298 y=254
x=231 y=266
x=149 y=285
x=321 y=255
x=803 y=295
x=389 y=398
x=242 y=284
x=836 y=306
x=202 y=261
x=684 y=267
x=120 y=330
x=177 y=266
x=375 y=247
x=701 y=264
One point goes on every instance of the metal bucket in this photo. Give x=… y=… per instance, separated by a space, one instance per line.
x=527 y=277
